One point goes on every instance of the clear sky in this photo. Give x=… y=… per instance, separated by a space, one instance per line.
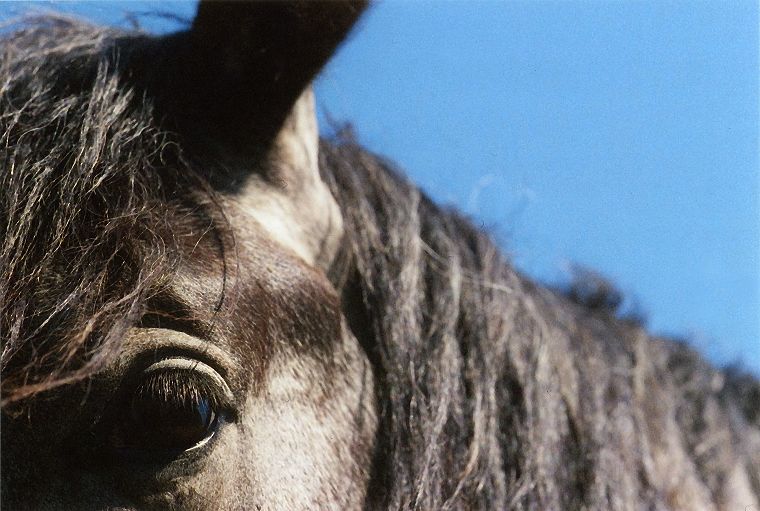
x=622 y=136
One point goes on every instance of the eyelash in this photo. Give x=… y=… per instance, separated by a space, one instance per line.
x=181 y=386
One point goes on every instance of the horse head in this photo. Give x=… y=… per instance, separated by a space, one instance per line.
x=206 y=306
x=173 y=339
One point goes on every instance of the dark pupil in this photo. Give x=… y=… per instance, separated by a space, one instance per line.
x=160 y=424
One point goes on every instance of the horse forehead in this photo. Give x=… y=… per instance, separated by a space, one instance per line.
x=256 y=276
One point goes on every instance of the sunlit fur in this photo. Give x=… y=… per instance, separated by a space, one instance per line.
x=491 y=392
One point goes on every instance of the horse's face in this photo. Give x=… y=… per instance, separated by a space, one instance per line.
x=241 y=387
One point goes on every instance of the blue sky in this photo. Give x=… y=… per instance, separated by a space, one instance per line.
x=618 y=136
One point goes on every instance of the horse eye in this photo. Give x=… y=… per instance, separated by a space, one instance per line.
x=158 y=424
x=162 y=420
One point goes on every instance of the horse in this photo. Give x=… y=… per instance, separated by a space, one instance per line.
x=205 y=306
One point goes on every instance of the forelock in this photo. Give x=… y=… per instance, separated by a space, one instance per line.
x=85 y=171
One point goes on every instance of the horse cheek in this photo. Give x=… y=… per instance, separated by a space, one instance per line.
x=309 y=435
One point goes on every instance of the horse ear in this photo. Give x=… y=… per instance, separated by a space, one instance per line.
x=250 y=61
x=237 y=84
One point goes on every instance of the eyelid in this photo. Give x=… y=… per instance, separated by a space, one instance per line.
x=194 y=367
x=148 y=345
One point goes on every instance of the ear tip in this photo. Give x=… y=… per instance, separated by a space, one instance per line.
x=300 y=22
x=218 y=9
x=302 y=31
x=239 y=52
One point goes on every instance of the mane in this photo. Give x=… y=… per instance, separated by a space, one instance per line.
x=497 y=391
x=494 y=392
